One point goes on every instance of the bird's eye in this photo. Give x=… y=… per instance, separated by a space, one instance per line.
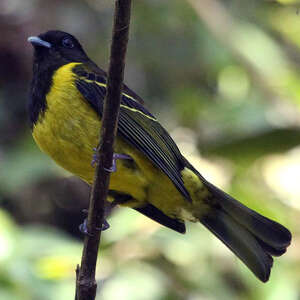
x=67 y=43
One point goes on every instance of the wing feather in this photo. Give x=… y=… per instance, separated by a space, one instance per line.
x=137 y=126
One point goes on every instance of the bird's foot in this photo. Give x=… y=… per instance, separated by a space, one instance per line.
x=83 y=227
x=116 y=156
x=95 y=159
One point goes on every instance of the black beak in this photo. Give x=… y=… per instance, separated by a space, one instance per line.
x=36 y=41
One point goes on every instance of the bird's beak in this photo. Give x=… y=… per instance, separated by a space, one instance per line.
x=36 y=41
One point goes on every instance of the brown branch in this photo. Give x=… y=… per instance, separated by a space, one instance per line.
x=86 y=285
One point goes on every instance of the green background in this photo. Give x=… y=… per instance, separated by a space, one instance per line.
x=223 y=77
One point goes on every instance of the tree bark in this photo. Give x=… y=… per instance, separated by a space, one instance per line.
x=86 y=285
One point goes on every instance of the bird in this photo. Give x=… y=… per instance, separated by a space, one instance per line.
x=151 y=175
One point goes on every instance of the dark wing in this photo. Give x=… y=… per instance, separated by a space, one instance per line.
x=92 y=72
x=148 y=210
x=138 y=127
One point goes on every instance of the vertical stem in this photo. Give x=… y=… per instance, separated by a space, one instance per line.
x=86 y=285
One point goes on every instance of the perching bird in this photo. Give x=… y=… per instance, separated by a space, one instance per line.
x=152 y=176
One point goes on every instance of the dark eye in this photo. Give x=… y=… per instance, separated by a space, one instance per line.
x=67 y=43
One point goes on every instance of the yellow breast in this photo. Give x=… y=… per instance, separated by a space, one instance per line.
x=69 y=129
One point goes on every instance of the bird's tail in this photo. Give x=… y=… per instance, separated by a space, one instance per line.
x=251 y=236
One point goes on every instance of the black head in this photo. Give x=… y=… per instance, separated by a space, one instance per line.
x=52 y=50
x=57 y=48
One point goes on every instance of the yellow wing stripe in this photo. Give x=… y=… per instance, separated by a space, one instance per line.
x=71 y=65
x=137 y=111
x=124 y=94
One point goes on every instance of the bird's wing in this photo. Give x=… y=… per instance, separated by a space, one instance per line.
x=91 y=71
x=137 y=126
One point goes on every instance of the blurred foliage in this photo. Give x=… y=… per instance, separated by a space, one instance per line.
x=223 y=78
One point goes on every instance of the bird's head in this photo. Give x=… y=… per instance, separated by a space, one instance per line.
x=57 y=48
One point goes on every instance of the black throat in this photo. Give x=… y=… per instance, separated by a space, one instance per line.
x=40 y=86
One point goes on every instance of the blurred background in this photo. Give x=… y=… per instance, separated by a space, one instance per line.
x=223 y=77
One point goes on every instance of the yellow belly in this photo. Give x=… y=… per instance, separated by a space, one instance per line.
x=68 y=131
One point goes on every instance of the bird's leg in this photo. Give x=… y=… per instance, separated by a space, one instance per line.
x=107 y=209
x=116 y=156
x=83 y=227
x=95 y=159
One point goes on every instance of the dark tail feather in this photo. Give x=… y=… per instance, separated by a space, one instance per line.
x=241 y=242
x=251 y=236
x=270 y=232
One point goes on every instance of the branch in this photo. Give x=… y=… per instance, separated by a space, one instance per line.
x=86 y=285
